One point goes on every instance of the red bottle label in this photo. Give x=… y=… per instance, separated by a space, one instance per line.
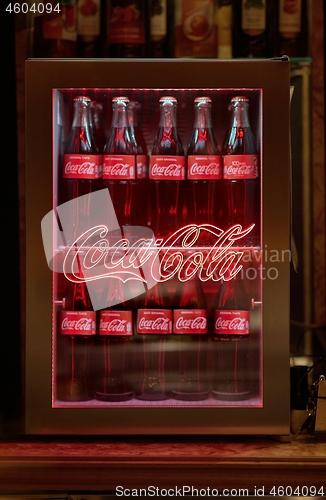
x=154 y=321
x=78 y=322
x=77 y=166
x=190 y=321
x=167 y=168
x=240 y=167
x=126 y=25
x=142 y=166
x=234 y=322
x=115 y=323
x=119 y=167
x=204 y=167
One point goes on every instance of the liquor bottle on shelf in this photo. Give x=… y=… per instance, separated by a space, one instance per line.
x=160 y=28
x=252 y=28
x=292 y=29
x=97 y=126
x=81 y=166
x=115 y=332
x=190 y=334
x=231 y=341
x=55 y=30
x=224 y=29
x=89 y=41
x=77 y=328
x=195 y=28
x=127 y=28
x=119 y=168
x=167 y=170
x=154 y=324
x=241 y=172
x=204 y=167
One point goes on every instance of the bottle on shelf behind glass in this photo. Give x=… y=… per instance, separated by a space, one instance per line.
x=97 y=125
x=77 y=328
x=190 y=330
x=253 y=28
x=55 y=31
x=120 y=168
x=195 y=28
x=115 y=332
x=160 y=14
x=167 y=171
x=241 y=190
x=127 y=31
x=224 y=28
x=89 y=39
x=81 y=166
x=231 y=331
x=292 y=28
x=154 y=324
x=204 y=168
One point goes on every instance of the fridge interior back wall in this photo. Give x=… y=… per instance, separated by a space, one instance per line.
x=171 y=383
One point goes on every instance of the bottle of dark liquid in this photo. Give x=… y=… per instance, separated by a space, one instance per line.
x=240 y=172
x=55 y=31
x=154 y=323
x=167 y=170
x=138 y=139
x=252 y=28
x=115 y=331
x=77 y=328
x=190 y=330
x=204 y=167
x=126 y=28
x=89 y=28
x=160 y=32
x=81 y=167
x=119 y=164
x=292 y=29
x=231 y=340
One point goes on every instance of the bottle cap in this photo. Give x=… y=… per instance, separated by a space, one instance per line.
x=120 y=100
x=170 y=99
x=204 y=100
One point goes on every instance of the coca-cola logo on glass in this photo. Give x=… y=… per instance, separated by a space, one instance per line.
x=154 y=321
x=81 y=167
x=231 y=322
x=78 y=322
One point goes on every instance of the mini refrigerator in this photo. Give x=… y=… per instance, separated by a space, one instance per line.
x=157 y=276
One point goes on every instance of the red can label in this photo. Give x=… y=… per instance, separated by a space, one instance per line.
x=190 y=321
x=119 y=167
x=234 y=322
x=78 y=166
x=78 y=322
x=205 y=167
x=240 y=167
x=154 y=321
x=115 y=323
x=142 y=166
x=167 y=168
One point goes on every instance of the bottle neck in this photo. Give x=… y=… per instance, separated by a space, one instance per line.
x=81 y=116
x=202 y=118
x=119 y=117
x=168 y=118
x=240 y=117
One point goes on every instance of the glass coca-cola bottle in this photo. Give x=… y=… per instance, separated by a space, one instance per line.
x=167 y=170
x=154 y=324
x=81 y=167
x=241 y=188
x=119 y=166
x=139 y=141
x=77 y=328
x=204 y=168
x=231 y=332
x=190 y=329
x=115 y=331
